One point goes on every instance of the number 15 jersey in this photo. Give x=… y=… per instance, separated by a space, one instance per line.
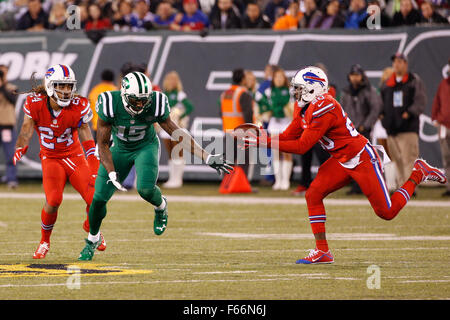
x=323 y=121
x=58 y=134
x=132 y=132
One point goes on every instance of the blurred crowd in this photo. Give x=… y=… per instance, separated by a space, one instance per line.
x=201 y=15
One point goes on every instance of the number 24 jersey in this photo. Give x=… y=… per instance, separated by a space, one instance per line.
x=58 y=134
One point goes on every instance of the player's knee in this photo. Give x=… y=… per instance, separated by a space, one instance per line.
x=146 y=192
x=313 y=195
x=384 y=214
x=54 y=199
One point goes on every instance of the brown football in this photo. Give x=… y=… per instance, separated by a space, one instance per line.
x=244 y=129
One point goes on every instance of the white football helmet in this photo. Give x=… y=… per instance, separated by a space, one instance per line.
x=136 y=91
x=56 y=76
x=308 y=83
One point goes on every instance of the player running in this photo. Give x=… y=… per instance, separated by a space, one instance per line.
x=128 y=115
x=61 y=120
x=318 y=117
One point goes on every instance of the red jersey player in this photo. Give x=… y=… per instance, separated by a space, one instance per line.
x=318 y=117
x=61 y=120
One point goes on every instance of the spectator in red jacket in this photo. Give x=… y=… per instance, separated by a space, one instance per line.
x=440 y=114
x=96 y=20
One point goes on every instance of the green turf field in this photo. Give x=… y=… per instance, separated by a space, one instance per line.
x=233 y=249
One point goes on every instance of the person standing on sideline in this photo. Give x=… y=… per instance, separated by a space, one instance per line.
x=236 y=108
x=404 y=100
x=7 y=124
x=106 y=84
x=440 y=113
x=180 y=108
x=277 y=100
x=363 y=105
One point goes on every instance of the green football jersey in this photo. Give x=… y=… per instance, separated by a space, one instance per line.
x=128 y=131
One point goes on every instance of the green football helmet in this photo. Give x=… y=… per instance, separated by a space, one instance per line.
x=136 y=92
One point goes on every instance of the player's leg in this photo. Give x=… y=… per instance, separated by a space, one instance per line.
x=331 y=177
x=83 y=181
x=53 y=181
x=369 y=176
x=146 y=163
x=123 y=162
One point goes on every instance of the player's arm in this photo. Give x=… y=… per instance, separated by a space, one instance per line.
x=26 y=132
x=103 y=140
x=87 y=140
x=310 y=136
x=215 y=161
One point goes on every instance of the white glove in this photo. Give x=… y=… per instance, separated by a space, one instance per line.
x=113 y=179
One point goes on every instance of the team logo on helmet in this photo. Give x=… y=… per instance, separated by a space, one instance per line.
x=310 y=77
x=126 y=83
x=49 y=72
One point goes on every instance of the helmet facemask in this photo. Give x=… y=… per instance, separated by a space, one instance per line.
x=134 y=104
x=63 y=91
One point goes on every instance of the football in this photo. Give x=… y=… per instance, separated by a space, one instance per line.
x=245 y=130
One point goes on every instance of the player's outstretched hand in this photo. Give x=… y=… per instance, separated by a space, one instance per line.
x=113 y=179
x=216 y=161
x=253 y=140
x=19 y=154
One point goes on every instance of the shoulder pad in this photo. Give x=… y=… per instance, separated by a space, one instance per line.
x=321 y=105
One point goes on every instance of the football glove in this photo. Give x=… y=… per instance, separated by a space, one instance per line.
x=113 y=179
x=19 y=154
x=217 y=162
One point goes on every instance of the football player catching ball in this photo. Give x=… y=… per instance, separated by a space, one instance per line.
x=318 y=117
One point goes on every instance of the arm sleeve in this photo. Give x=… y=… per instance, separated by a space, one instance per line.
x=309 y=137
x=101 y=107
x=163 y=110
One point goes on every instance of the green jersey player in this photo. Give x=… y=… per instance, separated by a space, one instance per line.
x=128 y=115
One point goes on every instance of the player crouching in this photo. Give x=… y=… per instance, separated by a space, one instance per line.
x=61 y=120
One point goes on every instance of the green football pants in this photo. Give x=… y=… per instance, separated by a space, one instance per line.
x=146 y=161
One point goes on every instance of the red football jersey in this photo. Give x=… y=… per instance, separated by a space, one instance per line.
x=58 y=134
x=323 y=121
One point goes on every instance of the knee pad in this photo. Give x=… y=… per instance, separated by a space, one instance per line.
x=54 y=199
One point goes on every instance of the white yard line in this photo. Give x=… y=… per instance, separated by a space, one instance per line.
x=230 y=199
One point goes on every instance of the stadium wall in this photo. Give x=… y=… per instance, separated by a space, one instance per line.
x=205 y=62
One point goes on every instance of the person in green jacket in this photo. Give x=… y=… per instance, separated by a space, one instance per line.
x=180 y=107
x=277 y=101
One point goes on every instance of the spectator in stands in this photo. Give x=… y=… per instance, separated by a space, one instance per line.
x=356 y=14
x=192 y=19
x=142 y=18
x=57 y=17
x=275 y=9
x=35 y=19
x=122 y=18
x=440 y=114
x=404 y=100
x=289 y=21
x=363 y=105
x=253 y=19
x=385 y=20
x=106 y=84
x=207 y=6
x=429 y=15
x=311 y=13
x=7 y=123
x=106 y=8
x=407 y=14
x=165 y=15
x=96 y=21
x=227 y=17
x=330 y=17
